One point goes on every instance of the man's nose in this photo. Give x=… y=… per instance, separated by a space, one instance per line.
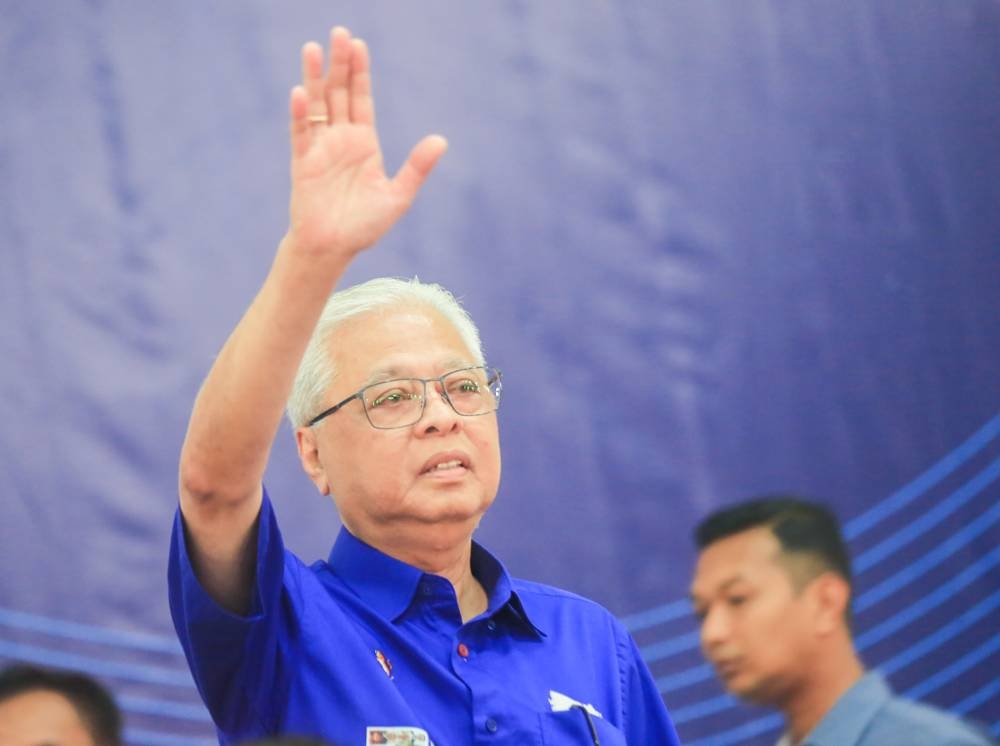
x=439 y=415
x=714 y=628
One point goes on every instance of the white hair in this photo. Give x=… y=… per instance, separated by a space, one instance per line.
x=317 y=371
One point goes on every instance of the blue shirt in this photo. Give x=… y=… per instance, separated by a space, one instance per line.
x=869 y=715
x=365 y=642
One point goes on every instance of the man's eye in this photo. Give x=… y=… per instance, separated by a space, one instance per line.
x=389 y=398
x=736 y=600
x=465 y=386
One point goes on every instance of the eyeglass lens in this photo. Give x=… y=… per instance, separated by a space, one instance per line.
x=398 y=403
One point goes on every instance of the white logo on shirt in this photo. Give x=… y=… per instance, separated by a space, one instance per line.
x=560 y=703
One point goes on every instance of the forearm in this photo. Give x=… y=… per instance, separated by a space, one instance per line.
x=240 y=405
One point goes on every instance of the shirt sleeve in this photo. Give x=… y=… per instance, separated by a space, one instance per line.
x=235 y=660
x=646 y=718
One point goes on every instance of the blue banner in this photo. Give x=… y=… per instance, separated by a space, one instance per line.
x=717 y=249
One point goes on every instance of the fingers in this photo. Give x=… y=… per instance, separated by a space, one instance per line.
x=298 y=111
x=362 y=105
x=422 y=159
x=312 y=80
x=344 y=93
x=321 y=99
x=338 y=77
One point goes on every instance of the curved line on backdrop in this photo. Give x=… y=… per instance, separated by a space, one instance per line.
x=944 y=592
x=906 y=494
x=163 y=708
x=945 y=634
x=683 y=679
x=154 y=738
x=986 y=693
x=689 y=640
x=910 y=492
x=738 y=734
x=914 y=529
x=88 y=633
x=104 y=669
x=963 y=664
x=929 y=561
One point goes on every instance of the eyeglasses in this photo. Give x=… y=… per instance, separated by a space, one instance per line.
x=400 y=402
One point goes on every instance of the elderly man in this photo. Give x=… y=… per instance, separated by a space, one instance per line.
x=410 y=632
x=43 y=707
x=772 y=588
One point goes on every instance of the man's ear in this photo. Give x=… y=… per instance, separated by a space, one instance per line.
x=832 y=596
x=305 y=438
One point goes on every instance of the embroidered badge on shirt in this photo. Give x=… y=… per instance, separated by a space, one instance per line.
x=384 y=662
x=560 y=703
x=396 y=736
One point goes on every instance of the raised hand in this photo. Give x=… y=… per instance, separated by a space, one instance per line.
x=342 y=201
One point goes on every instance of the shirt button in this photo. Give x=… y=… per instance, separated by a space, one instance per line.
x=491 y=725
x=491 y=626
x=426 y=588
x=463 y=650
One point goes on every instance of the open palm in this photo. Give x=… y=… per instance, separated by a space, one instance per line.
x=342 y=200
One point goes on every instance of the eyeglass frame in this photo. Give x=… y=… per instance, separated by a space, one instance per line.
x=497 y=380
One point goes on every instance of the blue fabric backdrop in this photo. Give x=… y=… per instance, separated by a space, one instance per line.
x=717 y=248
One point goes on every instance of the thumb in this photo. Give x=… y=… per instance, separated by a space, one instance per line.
x=422 y=159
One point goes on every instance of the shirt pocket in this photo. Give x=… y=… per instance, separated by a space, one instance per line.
x=570 y=728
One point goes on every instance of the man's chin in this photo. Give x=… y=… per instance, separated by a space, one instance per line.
x=751 y=691
x=445 y=510
x=738 y=683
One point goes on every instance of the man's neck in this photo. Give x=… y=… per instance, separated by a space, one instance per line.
x=827 y=683
x=450 y=556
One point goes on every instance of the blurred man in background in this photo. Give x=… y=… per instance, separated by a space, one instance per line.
x=42 y=707
x=772 y=589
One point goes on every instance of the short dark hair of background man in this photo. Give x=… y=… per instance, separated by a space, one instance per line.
x=94 y=705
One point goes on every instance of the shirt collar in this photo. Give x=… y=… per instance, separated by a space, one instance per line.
x=503 y=600
x=848 y=718
x=389 y=585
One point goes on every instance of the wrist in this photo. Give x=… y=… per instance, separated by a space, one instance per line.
x=326 y=252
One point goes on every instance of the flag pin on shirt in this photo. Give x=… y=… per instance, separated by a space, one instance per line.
x=384 y=662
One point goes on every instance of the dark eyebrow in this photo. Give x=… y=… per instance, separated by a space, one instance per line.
x=721 y=587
